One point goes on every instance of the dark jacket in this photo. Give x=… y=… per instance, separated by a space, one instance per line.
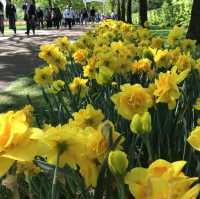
x=32 y=10
x=10 y=11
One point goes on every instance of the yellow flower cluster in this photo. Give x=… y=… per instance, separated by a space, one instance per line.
x=83 y=142
x=63 y=43
x=56 y=86
x=43 y=76
x=114 y=48
x=137 y=71
x=53 y=56
x=16 y=138
x=175 y=35
x=78 y=86
x=162 y=179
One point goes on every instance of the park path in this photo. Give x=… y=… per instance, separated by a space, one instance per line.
x=19 y=54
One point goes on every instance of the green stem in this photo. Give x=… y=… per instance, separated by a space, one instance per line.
x=28 y=180
x=148 y=146
x=121 y=189
x=53 y=189
x=131 y=152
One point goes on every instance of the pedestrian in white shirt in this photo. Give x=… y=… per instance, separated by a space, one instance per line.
x=68 y=16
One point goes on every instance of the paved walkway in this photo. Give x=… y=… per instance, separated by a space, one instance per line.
x=19 y=54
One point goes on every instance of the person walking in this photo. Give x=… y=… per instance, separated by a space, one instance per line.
x=73 y=16
x=68 y=16
x=1 y=18
x=30 y=16
x=93 y=15
x=85 y=16
x=40 y=18
x=57 y=17
x=48 y=17
x=11 y=15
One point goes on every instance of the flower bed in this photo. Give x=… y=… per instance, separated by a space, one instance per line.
x=120 y=121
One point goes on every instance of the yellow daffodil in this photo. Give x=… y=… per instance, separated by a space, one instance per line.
x=63 y=43
x=162 y=58
x=43 y=76
x=143 y=65
x=188 y=45
x=65 y=139
x=56 y=86
x=89 y=69
x=175 y=34
x=143 y=33
x=157 y=42
x=80 y=56
x=16 y=142
x=197 y=104
x=78 y=85
x=88 y=117
x=53 y=56
x=131 y=100
x=104 y=75
x=166 y=87
x=89 y=170
x=194 y=138
x=174 y=55
x=98 y=140
x=184 y=62
x=161 y=180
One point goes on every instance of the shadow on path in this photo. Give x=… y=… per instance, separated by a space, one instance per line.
x=19 y=54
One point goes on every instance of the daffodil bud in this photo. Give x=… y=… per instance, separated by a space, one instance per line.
x=141 y=123
x=118 y=162
x=146 y=122
x=136 y=124
x=104 y=76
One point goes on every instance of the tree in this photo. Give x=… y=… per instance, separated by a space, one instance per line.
x=50 y=3
x=118 y=10
x=194 y=26
x=143 y=11
x=112 y=4
x=129 y=11
x=123 y=10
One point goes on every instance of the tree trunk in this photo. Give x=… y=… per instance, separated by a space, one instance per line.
x=50 y=3
x=123 y=10
x=112 y=3
x=118 y=10
x=129 y=11
x=143 y=11
x=194 y=27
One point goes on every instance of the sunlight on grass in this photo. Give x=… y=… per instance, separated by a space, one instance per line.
x=16 y=94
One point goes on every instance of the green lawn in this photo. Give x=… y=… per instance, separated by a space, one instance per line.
x=157 y=31
x=15 y=96
x=21 y=26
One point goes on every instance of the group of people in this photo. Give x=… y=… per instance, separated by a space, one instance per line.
x=49 y=17
x=71 y=17
x=10 y=15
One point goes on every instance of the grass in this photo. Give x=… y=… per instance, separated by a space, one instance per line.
x=15 y=96
x=20 y=25
x=157 y=31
